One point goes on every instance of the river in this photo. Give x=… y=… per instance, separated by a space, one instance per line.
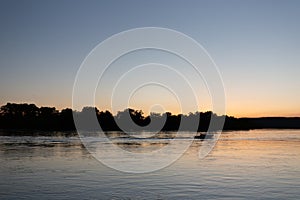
x=256 y=164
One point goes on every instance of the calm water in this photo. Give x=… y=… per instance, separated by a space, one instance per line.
x=258 y=164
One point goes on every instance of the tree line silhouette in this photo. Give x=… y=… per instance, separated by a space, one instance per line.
x=25 y=116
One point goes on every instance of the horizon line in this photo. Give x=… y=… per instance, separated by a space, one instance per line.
x=137 y=109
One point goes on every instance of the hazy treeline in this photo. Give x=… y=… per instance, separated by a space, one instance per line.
x=30 y=117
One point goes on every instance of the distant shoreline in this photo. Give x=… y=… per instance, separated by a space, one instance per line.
x=28 y=117
x=74 y=133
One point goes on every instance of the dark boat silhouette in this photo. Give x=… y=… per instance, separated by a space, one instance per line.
x=203 y=136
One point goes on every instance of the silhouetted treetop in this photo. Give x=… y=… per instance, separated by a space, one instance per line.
x=29 y=116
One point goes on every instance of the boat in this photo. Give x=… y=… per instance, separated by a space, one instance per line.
x=203 y=136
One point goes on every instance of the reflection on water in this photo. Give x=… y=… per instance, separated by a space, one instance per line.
x=243 y=164
x=141 y=142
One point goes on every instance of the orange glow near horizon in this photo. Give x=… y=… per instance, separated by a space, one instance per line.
x=233 y=108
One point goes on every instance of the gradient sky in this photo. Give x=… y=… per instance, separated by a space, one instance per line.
x=256 y=45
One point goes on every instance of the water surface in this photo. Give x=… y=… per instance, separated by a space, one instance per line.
x=259 y=164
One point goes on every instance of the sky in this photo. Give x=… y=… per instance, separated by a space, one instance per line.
x=255 y=44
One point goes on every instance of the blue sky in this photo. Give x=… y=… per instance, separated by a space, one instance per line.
x=256 y=45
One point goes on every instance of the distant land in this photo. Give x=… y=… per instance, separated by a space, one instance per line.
x=19 y=117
